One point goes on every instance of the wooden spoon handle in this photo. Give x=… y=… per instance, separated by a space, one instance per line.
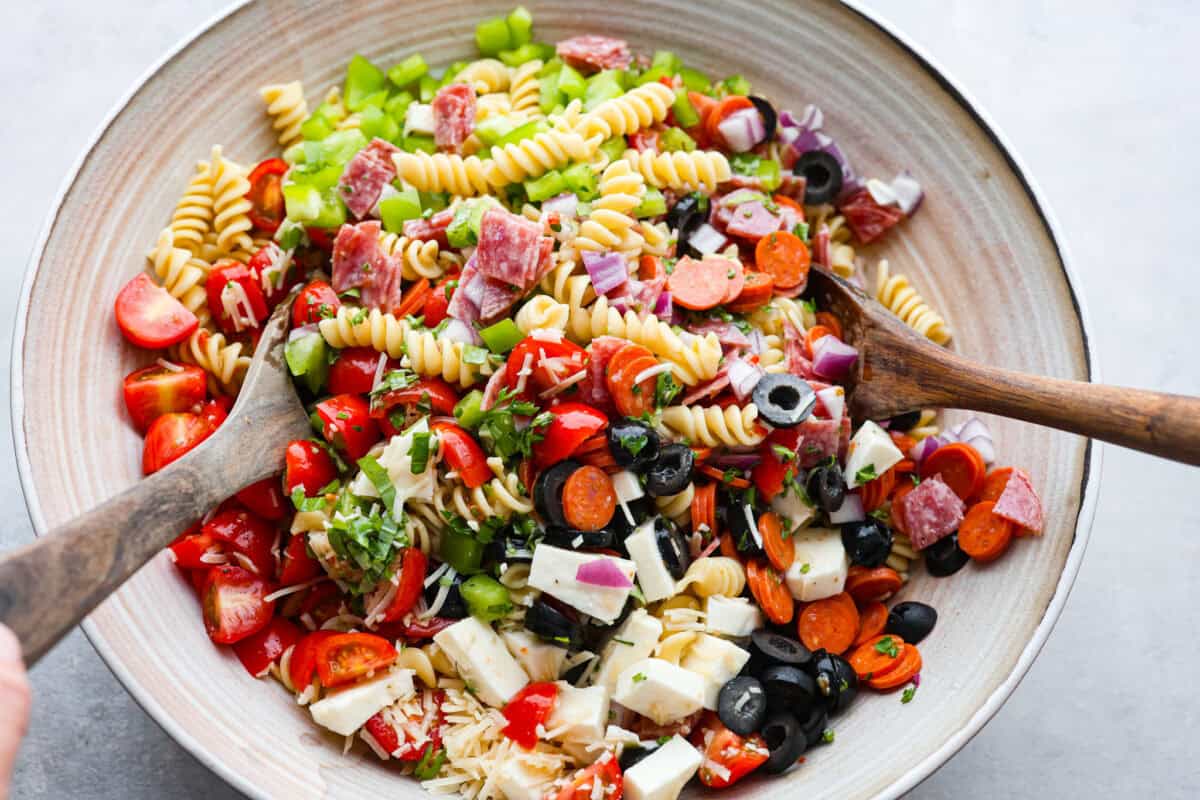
x=49 y=586
x=1166 y=425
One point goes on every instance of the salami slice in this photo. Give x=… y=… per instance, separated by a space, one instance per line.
x=820 y=247
x=453 y=116
x=1019 y=503
x=384 y=286
x=498 y=298
x=866 y=218
x=590 y=53
x=752 y=221
x=356 y=253
x=510 y=248
x=432 y=229
x=931 y=512
x=593 y=389
x=464 y=303
x=821 y=438
x=365 y=176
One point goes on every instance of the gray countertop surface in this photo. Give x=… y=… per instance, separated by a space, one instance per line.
x=1098 y=98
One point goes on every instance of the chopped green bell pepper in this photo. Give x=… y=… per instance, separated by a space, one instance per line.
x=397 y=105
x=485 y=597
x=469 y=410
x=303 y=202
x=461 y=552
x=602 y=86
x=414 y=142
x=399 y=208
x=377 y=123
x=520 y=27
x=666 y=60
x=674 y=140
x=734 y=85
x=408 y=71
x=530 y=51
x=652 y=205
x=685 y=113
x=581 y=179
x=614 y=148
x=502 y=337
x=363 y=79
x=427 y=87
x=522 y=132
x=493 y=35
x=571 y=83
x=545 y=187
x=493 y=129
x=694 y=80
x=307 y=357
x=549 y=94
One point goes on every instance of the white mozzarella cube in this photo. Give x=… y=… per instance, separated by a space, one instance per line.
x=418 y=118
x=871 y=447
x=659 y=690
x=820 y=567
x=586 y=753
x=519 y=780
x=716 y=661
x=554 y=569
x=627 y=486
x=482 y=660
x=652 y=573
x=579 y=715
x=734 y=617
x=834 y=400
x=540 y=660
x=633 y=641
x=344 y=711
x=663 y=774
x=792 y=510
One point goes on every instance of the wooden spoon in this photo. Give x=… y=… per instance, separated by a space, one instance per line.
x=900 y=370
x=49 y=586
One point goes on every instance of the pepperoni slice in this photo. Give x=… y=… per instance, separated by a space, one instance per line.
x=588 y=499
x=736 y=284
x=756 y=291
x=631 y=397
x=700 y=285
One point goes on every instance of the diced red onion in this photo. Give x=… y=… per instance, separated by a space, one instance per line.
x=743 y=129
x=833 y=358
x=621 y=304
x=922 y=449
x=758 y=342
x=743 y=377
x=458 y=331
x=603 y=572
x=566 y=204
x=707 y=239
x=662 y=306
x=834 y=400
x=302 y=331
x=908 y=192
x=607 y=270
x=974 y=432
x=804 y=134
x=851 y=511
x=737 y=460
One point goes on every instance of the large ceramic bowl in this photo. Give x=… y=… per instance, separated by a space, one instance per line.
x=983 y=248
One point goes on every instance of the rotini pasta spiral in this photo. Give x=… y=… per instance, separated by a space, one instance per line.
x=566 y=286
x=927 y=425
x=842 y=255
x=418 y=259
x=440 y=661
x=193 y=217
x=680 y=613
x=629 y=113
x=358 y=327
x=221 y=359
x=492 y=105
x=525 y=90
x=288 y=109
x=714 y=575
x=535 y=156
x=678 y=507
x=231 y=221
x=699 y=169
x=443 y=172
x=418 y=661
x=773 y=358
x=902 y=555
x=713 y=426
x=610 y=225
x=500 y=497
x=656 y=238
x=182 y=274
x=897 y=294
x=515 y=578
x=485 y=76
x=428 y=356
x=543 y=311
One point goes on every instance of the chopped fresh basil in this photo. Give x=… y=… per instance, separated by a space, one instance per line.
x=865 y=475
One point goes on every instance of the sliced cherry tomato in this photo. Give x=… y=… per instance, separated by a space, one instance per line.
x=215 y=412
x=572 y=424
x=171 y=436
x=275 y=274
x=463 y=454
x=605 y=773
x=438 y=301
x=734 y=756
x=348 y=424
x=322 y=602
x=296 y=566
x=354 y=371
x=259 y=651
x=303 y=663
x=413 y=566
x=774 y=468
x=419 y=630
x=189 y=549
x=232 y=286
x=266 y=194
x=150 y=317
x=155 y=390
x=234 y=605
x=349 y=656
x=316 y=301
x=528 y=709
x=307 y=464
x=440 y=396
x=551 y=364
x=265 y=498
x=248 y=534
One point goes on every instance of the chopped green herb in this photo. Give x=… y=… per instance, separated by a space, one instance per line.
x=827 y=736
x=915 y=479
x=880 y=514
x=907 y=696
x=430 y=765
x=887 y=646
x=379 y=477
x=784 y=454
x=623 y=641
x=419 y=452
x=664 y=739
x=801 y=230
x=639 y=677
x=865 y=475
x=665 y=390
x=804 y=568
x=634 y=444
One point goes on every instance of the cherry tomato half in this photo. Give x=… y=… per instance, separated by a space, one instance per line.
x=770 y=473
x=440 y=396
x=303 y=664
x=307 y=464
x=265 y=498
x=438 y=301
x=189 y=549
x=248 y=534
x=155 y=390
x=316 y=301
x=551 y=364
x=354 y=370
x=274 y=274
x=606 y=773
x=296 y=565
x=234 y=282
x=347 y=657
x=170 y=436
x=348 y=425
x=529 y=709
x=413 y=566
x=234 y=605
x=150 y=317
x=727 y=757
x=463 y=454
x=572 y=424
x=266 y=194
x=259 y=651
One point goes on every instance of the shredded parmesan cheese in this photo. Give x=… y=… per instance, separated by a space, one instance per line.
x=546 y=334
x=169 y=366
x=563 y=385
x=652 y=372
x=237 y=306
x=296 y=587
x=379 y=368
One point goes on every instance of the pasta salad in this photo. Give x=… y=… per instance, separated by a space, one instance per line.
x=584 y=513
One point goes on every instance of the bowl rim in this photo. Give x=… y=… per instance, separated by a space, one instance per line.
x=1092 y=458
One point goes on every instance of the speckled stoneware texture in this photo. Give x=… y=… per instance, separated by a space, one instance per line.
x=980 y=248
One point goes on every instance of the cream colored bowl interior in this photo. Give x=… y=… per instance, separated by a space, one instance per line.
x=979 y=249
